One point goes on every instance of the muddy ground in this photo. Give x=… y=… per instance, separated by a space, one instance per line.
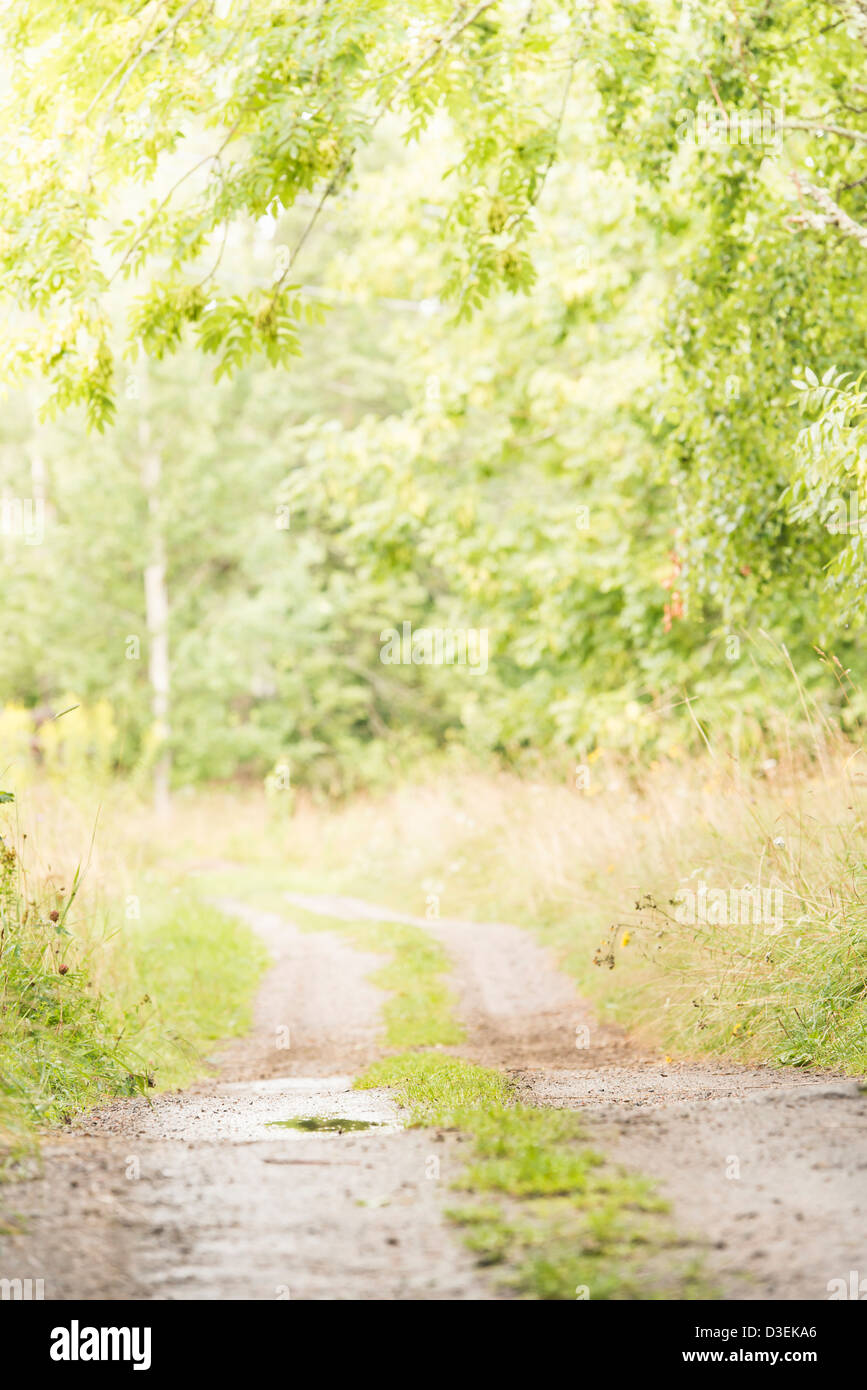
x=206 y=1193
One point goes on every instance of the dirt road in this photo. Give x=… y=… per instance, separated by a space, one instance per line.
x=206 y=1194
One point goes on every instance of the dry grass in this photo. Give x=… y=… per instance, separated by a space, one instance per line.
x=573 y=863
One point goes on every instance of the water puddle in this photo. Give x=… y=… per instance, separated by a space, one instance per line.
x=279 y=1109
x=314 y=1124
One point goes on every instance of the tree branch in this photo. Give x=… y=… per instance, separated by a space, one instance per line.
x=832 y=214
x=845 y=132
x=438 y=47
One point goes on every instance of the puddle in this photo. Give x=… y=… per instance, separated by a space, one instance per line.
x=279 y=1109
x=316 y=1123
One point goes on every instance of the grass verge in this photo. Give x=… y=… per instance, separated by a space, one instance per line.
x=90 y=1011
x=707 y=908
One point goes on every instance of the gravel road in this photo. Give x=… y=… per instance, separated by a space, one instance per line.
x=209 y=1194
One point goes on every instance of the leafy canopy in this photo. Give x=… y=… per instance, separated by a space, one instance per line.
x=134 y=138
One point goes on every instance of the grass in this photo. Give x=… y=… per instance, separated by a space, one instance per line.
x=435 y=1088
x=538 y=1202
x=571 y=857
x=192 y=973
x=91 y=1009
x=419 y=1008
x=58 y=1040
x=565 y=1224
x=596 y=874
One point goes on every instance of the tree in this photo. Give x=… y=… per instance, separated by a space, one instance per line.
x=605 y=473
x=746 y=127
x=133 y=142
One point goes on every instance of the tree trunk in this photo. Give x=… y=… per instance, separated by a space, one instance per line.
x=157 y=614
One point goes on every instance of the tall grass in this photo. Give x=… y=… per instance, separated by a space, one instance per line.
x=600 y=871
x=61 y=1042
x=595 y=866
x=104 y=992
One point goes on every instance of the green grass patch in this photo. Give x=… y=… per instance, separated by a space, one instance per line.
x=436 y=1088
x=419 y=1011
x=529 y=1153
x=89 y=1012
x=566 y=1224
x=194 y=972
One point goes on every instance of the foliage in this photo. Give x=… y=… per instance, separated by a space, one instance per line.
x=87 y=1014
x=831 y=457
x=247 y=109
x=603 y=474
x=746 y=127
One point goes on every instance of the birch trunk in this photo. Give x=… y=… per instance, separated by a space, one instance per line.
x=157 y=616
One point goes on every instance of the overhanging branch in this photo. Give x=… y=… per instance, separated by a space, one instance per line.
x=831 y=215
